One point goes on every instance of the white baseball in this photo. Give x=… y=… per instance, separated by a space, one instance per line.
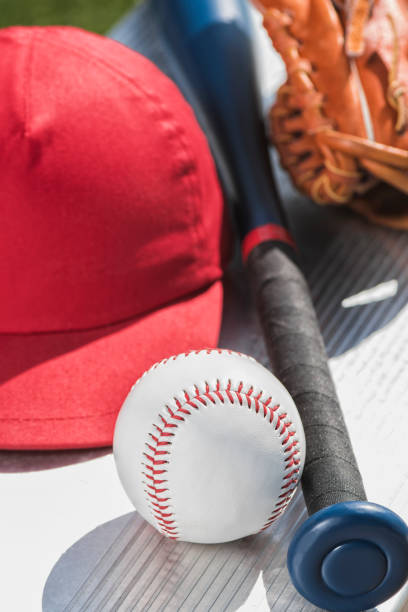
x=209 y=446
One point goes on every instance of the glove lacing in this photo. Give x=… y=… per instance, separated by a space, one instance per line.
x=330 y=165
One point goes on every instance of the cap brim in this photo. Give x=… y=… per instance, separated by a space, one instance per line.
x=64 y=390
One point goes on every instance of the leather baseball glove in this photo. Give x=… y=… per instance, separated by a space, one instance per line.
x=340 y=120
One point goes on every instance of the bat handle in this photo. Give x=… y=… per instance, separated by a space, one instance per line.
x=349 y=556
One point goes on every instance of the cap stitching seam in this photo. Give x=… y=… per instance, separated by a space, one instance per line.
x=27 y=81
x=126 y=321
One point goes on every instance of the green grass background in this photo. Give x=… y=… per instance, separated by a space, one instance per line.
x=94 y=15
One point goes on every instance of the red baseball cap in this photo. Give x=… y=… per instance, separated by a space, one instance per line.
x=110 y=234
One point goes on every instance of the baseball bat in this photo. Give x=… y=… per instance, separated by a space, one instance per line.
x=349 y=554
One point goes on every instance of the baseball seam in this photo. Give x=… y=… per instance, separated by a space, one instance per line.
x=154 y=468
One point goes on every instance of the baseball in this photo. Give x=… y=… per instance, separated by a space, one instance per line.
x=209 y=446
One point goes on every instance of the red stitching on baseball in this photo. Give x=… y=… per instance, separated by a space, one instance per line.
x=286 y=440
x=290 y=479
x=291 y=474
x=210 y=397
x=173 y=415
x=229 y=395
x=294 y=443
x=159 y=506
x=156 y=498
x=291 y=457
x=162 y=433
x=219 y=395
x=281 y=503
x=184 y=411
x=166 y=424
x=287 y=492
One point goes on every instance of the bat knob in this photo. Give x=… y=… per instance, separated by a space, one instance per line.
x=349 y=556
